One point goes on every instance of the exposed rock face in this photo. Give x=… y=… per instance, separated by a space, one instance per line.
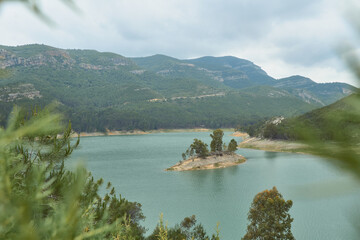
x=276 y=120
x=278 y=94
x=10 y=94
x=138 y=72
x=311 y=92
x=9 y=59
x=59 y=58
x=309 y=98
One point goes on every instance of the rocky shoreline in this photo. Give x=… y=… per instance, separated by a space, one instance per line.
x=210 y=162
x=273 y=145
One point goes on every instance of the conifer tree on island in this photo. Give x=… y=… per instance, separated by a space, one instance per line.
x=217 y=147
x=269 y=217
x=232 y=146
x=216 y=143
x=200 y=148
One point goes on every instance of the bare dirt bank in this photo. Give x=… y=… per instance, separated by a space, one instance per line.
x=210 y=162
x=273 y=145
x=240 y=134
x=110 y=133
x=138 y=132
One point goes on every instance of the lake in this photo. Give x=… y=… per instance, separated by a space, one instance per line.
x=135 y=166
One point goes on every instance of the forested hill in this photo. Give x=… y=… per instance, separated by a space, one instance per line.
x=324 y=122
x=99 y=91
x=237 y=73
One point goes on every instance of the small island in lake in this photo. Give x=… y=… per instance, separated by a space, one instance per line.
x=198 y=156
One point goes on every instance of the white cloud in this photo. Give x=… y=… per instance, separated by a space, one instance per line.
x=284 y=37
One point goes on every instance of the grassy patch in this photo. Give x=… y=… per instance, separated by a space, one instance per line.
x=241 y=160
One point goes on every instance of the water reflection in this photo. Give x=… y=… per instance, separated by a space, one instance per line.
x=233 y=170
x=271 y=155
x=218 y=179
x=196 y=178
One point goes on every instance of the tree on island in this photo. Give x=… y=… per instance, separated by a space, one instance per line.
x=232 y=146
x=200 y=148
x=269 y=217
x=217 y=142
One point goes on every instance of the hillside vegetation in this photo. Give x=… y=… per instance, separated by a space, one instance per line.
x=100 y=91
x=326 y=123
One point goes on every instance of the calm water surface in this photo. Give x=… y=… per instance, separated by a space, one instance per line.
x=134 y=165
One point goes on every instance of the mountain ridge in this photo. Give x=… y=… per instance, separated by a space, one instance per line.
x=238 y=73
x=99 y=90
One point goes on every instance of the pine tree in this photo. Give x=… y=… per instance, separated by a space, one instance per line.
x=217 y=142
x=269 y=217
x=232 y=146
x=200 y=148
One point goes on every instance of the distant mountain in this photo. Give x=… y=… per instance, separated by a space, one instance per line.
x=294 y=82
x=216 y=71
x=174 y=68
x=312 y=92
x=105 y=90
x=236 y=73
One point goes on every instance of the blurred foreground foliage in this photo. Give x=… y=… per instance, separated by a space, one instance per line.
x=333 y=132
x=35 y=7
x=343 y=147
x=186 y=230
x=41 y=199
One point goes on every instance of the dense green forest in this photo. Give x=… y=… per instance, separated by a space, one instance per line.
x=106 y=91
x=324 y=122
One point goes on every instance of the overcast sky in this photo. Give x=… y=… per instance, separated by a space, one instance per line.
x=297 y=37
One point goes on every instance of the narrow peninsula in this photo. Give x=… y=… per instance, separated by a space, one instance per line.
x=198 y=157
x=272 y=145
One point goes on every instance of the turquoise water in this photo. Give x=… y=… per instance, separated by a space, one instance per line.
x=134 y=164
